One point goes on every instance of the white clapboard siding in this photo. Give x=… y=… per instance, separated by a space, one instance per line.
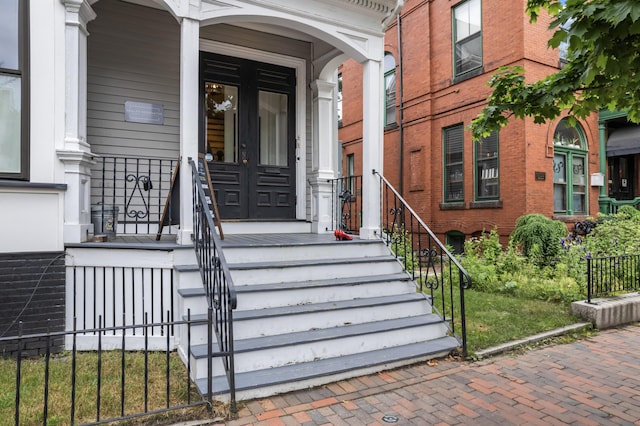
x=134 y=55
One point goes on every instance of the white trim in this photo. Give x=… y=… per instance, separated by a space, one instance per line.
x=300 y=66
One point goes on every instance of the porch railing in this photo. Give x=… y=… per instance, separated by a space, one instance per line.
x=612 y=274
x=346 y=199
x=611 y=205
x=218 y=284
x=101 y=386
x=435 y=270
x=138 y=188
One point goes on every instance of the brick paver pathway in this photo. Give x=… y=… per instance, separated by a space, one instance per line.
x=588 y=382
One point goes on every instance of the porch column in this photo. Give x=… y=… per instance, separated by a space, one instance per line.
x=189 y=68
x=324 y=154
x=372 y=148
x=76 y=152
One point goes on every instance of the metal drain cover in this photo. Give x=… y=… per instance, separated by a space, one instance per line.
x=390 y=419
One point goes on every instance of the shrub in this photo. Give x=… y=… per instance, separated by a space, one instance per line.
x=538 y=237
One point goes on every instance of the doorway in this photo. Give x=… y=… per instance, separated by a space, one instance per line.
x=247 y=118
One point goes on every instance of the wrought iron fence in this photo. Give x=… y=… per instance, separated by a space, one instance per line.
x=346 y=199
x=138 y=191
x=435 y=270
x=101 y=386
x=612 y=274
x=217 y=281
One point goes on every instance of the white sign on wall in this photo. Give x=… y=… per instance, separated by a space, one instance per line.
x=143 y=112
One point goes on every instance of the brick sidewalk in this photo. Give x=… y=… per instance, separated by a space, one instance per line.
x=589 y=382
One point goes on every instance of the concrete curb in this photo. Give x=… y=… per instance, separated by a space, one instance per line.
x=531 y=339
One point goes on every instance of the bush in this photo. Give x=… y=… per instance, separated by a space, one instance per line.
x=538 y=237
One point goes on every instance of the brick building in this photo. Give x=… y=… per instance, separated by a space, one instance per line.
x=439 y=56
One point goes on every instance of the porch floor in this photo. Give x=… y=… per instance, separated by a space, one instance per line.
x=167 y=242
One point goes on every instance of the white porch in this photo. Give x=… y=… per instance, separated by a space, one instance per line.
x=147 y=52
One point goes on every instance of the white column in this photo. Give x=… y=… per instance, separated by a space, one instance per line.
x=372 y=147
x=324 y=155
x=76 y=153
x=189 y=80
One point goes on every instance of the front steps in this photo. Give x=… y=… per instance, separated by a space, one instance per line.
x=312 y=310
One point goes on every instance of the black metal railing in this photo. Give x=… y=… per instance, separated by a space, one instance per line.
x=138 y=190
x=435 y=270
x=216 y=278
x=346 y=199
x=100 y=386
x=612 y=274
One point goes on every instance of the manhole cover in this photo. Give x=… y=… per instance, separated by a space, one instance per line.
x=390 y=419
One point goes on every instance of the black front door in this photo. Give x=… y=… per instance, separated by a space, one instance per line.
x=248 y=127
x=621 y=177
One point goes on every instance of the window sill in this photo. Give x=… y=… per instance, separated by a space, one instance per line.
x=391 y=126
x=461 y=205
x=569 y=218
x=467 y=75
x=490 y=204
x=32 y=185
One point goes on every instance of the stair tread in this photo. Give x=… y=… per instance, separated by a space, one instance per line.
x=309 y=262
x=240 y=315
x=327 y=306
x=226 y=244
x=323 y=334
x=330 y=366
x=330 y=282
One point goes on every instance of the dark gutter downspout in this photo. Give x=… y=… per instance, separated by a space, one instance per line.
x=400 y=105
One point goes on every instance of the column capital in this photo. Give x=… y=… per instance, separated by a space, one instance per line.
x=79 y=13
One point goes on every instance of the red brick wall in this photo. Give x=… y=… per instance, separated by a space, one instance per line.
x=431 y=102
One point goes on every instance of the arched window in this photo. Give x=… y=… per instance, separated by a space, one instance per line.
x=389 y=89
x=569 y=170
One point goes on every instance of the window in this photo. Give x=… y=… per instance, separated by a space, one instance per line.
x=454 y=164
x=389 y=90
x=455 y=240
x=467 y=37
x=13 y=90
x=351 y=167
x=487 y=174
x=569 y=170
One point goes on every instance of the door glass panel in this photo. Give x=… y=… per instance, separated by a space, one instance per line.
x=222 y=122
x=273 y=129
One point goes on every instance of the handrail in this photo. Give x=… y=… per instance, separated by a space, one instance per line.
x=431 y=265
x=217 y=281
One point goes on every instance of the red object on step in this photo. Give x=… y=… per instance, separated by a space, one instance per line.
x=341 y=235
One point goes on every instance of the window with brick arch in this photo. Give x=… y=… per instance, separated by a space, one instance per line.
x=13 y=90
x=569 y=170
x=467 y=37
x=389 y=90
x=487 y=176
x=453 y=163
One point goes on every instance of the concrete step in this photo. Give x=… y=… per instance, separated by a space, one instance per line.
x=308 y=270
x=270 y=381
x=286 y=349
x=301 y=251
x=261 y=296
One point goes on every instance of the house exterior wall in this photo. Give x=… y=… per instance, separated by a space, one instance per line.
x=432 y=100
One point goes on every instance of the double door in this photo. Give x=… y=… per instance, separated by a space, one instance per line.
x=248 y=131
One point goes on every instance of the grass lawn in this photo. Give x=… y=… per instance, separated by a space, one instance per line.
x=493 y=319
x=158 y=395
